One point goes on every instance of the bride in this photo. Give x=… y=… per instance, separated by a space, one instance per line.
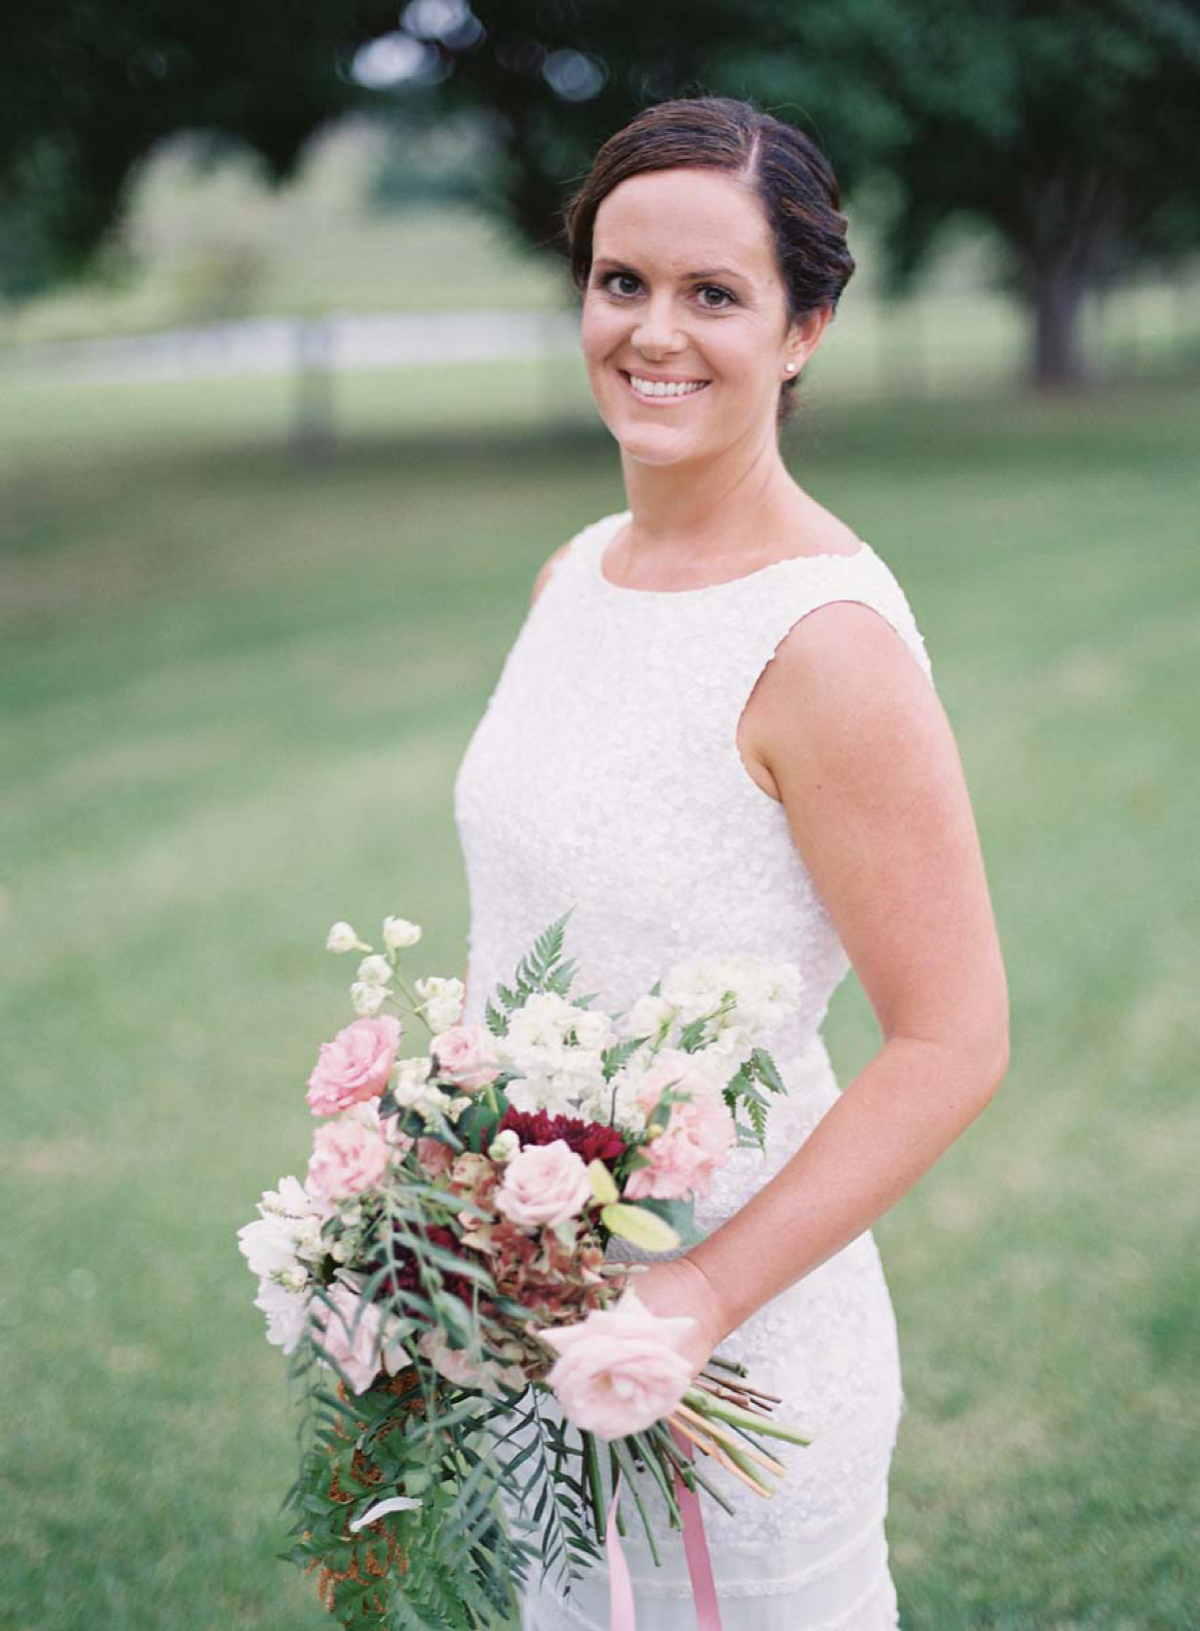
x=717 y=730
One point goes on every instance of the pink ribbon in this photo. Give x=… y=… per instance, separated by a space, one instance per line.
x=695 y=1545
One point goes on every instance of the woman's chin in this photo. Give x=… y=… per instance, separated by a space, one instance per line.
x=654 y=444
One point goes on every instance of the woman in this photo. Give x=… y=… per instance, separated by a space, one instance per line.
x=717 y=730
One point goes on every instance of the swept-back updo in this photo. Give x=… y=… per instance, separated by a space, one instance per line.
x=791 y=177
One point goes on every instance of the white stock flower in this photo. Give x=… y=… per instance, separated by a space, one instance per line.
x=409 y=1078
x=540 y=1092
x=541 y=1021
x=375 y=970
x=648 y=1015
x=733 y=1045
x=342 y=937
x=287 y=1314
x=504 y=1146
x=398 y=933
x=309 y=1242
x=457 y=1105
x=593 y=1029
x=291 y=1199
x=269 y=1243
x=430 y=1100
x=367 y=998
x=695 y=987
x=764 y=992
x=616 y=1102
x=441 y=999
x=287 y=1230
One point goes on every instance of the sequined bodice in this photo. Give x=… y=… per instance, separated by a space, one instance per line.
x=604 y=775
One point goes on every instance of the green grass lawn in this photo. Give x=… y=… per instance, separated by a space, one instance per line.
x=236 y=689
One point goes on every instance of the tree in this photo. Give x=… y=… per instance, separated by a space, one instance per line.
x=1068 y=126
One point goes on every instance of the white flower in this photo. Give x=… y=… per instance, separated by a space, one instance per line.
x=367 y=998
x=291 y=1199
x=269 y=1243
x=375 y=970
x=732 y=1045
x=537 y=1092
x=593 y=1029
x=441 y=999
x=504 y=1146
x=342 y=937
x=693 y=988
x=287 y=1230
x=287 y=1314
x=430 y=1100
x=617 y=1102
x=763 y=992
x=458 y=1105
x=542 y=1021
x=409 y=1078
x=648 y=1015
x=398 y=933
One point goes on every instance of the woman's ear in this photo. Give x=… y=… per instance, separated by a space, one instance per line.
x=803 y=337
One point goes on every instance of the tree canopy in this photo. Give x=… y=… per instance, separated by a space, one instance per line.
x=1070 y=128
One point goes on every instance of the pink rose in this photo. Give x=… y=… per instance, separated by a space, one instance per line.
x=621 y=1369
x=695 y=1142
x=355 y=1065
x=347 y=1158
x=360 y=1358
x=465 y=1054
x=544 y=1183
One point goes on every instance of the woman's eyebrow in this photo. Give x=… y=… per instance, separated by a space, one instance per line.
x=708 y=271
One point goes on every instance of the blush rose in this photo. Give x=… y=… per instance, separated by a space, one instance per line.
x=355 y=1065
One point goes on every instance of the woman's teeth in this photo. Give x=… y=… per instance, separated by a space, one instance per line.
x=651 y=387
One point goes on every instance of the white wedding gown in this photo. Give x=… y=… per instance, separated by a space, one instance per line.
x=604 y=775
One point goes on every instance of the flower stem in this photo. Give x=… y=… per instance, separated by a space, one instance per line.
x=702 y=1401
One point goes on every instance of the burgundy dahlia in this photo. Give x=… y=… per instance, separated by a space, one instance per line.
x=591 y=1140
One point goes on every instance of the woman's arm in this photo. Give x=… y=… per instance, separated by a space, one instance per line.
x=870 y=777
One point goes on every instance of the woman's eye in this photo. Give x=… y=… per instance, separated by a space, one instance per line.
x=610 y=279
x=606 y=282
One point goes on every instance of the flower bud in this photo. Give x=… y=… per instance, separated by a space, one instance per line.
x=375 y=970
x=504 y=1146
x=342 y=937
x=398 y=932
x=367 y=998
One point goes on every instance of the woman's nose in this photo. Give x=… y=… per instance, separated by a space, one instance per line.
x=657 y=329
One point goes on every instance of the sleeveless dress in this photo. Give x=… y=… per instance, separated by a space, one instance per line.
x=604 y=775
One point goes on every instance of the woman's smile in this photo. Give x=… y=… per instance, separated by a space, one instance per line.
x=658 y=392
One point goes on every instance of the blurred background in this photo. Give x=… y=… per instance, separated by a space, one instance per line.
x=291 y=411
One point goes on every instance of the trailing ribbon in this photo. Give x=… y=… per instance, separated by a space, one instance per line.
x=695 y=1545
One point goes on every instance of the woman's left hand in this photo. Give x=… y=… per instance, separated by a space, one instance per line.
x=674 y=1286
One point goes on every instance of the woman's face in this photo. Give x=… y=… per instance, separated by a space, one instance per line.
x=684 y=287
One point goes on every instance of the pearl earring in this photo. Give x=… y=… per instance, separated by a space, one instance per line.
x=791 y=367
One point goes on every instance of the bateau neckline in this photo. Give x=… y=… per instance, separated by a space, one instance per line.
x=608 y=533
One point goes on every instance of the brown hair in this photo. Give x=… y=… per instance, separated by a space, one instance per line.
x=791 y=177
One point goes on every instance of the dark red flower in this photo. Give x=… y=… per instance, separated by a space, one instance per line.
x=591 y=1140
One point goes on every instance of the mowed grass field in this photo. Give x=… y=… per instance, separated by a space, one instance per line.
x=236 y=688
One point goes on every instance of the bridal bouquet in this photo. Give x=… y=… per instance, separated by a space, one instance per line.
x=445 y=1258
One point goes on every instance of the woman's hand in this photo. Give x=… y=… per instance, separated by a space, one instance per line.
x=677 y=1285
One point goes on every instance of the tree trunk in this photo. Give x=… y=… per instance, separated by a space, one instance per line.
x=1066 y=224
x=1057 y=358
